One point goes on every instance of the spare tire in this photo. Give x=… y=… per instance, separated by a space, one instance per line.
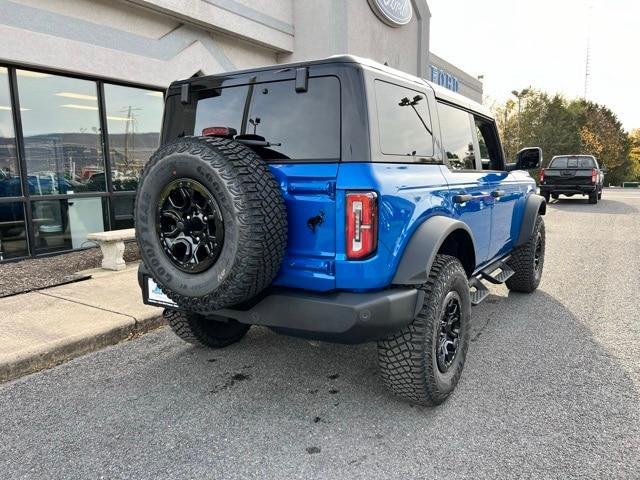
x=210 y=222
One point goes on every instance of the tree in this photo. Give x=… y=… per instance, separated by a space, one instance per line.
x=562 y=127
x=634 y=154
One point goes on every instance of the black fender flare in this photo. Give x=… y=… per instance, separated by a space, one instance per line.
x=421 y=251
x=536 y=205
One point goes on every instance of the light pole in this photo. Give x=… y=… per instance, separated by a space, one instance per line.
x=520 y=95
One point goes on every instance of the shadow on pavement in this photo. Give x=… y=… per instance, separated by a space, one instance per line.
x=539 y=398
x=582 y=205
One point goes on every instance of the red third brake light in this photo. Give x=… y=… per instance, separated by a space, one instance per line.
x=594 y=175
x=218 y=132
x=541 y=175
x=362 y=224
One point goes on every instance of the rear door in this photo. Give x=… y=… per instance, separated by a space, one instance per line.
x=504 y=188
x=469 y=192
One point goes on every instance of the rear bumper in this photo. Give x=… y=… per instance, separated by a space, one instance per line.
x=342 y=317
x=564 y=189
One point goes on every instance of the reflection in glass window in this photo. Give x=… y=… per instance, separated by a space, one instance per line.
x=62 y=139
x=134 y=118
x=300 y=126
x=64 y=224
x=221 y=107
x=9 y=173
x=13 y=234
x=457 y=137
x=404 y=121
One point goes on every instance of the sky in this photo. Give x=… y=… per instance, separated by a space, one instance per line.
x=543 y=43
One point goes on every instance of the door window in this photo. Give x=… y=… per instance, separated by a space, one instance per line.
x=457 y=138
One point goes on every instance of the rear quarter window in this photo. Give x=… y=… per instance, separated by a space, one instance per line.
x=403 y=121
x=300 y=126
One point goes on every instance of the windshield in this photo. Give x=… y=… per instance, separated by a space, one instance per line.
x=573 y=162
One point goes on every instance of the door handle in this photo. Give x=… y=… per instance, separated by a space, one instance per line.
x=498 y=193
x=462 y=198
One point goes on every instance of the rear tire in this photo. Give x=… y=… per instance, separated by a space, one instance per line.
x=546 y=196
x=423 y=362
x=600 y=195
x=528 y=261
x=593 y=197
x=205 y=332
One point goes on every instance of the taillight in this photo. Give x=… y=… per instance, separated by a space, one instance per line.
x=362 y=224
x=541 y=175
x=594 y=175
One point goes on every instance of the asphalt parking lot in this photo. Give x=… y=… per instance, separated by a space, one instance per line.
x=550 y=390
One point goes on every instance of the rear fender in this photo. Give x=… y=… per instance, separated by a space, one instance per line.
x=423 y=247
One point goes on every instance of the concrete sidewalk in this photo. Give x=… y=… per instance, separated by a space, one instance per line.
x=44 y=328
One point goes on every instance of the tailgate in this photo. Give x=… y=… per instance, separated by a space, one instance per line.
x=569 y=176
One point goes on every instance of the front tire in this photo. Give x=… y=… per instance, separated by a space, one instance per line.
x=423 y=362
x=528 y=261
x=205 y=332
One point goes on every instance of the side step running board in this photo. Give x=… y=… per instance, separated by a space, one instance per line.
x=478 y=291
x=505 y=273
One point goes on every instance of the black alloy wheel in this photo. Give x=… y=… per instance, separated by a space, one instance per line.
x=449 y=332
x=190 y=225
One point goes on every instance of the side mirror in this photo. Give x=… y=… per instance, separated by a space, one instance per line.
x=604 y=169
x=527 y=159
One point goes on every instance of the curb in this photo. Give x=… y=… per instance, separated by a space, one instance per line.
x=69 y=349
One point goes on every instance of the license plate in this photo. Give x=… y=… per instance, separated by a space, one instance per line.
x=155 y=296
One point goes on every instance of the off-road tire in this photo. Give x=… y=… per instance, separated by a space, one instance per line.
x=527 y=277
x=547 y=196
x=251 y=206
x=593 y=197
x=600 y=195
x=205 y=332
x=408 y=359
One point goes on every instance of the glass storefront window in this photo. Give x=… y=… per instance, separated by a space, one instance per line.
x=9 y=174
x=62 y=138
x=13 y=233
x=64 y=224
x=122 y=208
x=134 y=118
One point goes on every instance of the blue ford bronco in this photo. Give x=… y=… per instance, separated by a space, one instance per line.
x=338 y=200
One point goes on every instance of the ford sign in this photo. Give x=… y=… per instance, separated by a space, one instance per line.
x=394 y=13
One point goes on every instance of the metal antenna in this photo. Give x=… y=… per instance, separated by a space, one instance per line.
x=587 y=63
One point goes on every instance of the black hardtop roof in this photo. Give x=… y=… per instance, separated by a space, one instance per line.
x=440 y=92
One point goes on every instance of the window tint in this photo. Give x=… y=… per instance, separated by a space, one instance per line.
x=62 y=138
x=403 y=120
x=299 y=126
x=457 y=138
x=572 y=162
x=222 y=107
x=134 y=117
x=9 y=174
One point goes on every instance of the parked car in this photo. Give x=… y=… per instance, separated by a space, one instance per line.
x=570 y=175
x=339 y=200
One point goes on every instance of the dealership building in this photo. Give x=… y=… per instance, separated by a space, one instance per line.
x=82 y=83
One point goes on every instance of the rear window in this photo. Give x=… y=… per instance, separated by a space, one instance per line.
x=299 y=126
x=572 y=162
